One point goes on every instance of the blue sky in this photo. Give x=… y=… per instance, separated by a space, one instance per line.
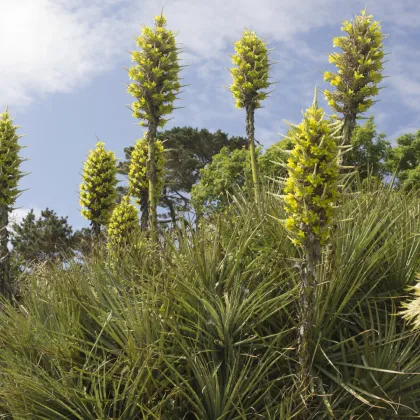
x=63 y=76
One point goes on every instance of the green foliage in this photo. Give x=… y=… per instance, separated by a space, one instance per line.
x=405 y=158
x=123 y=224
x=227 y=171
x=359 y=69
x=187 y=150
x=311 y=187
x=137 y=177
x=271 y=162
x=250 y=76
x=46 y=239
x=231 y=169
x=155 y=74
x=9 y=161
x=98 y=189
x=369 y=151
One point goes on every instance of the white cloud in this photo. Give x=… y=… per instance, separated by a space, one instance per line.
x=17 y=215
x=54 y=46
x=51 y=46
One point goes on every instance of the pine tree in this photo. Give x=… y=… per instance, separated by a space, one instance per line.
x=98 y=190
x=46 y=239
x=359 y=70
x=155 y=86
x=123 y=224
x=310 y=194
x=250 y=78
x=137 y=177
x=9 y=177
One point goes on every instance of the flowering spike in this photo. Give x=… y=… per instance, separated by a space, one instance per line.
x=311 y=188
x=98 y=192
x=359 y=70
x=123 y=224
x=137 y=173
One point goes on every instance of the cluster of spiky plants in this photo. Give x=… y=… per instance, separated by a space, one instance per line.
x=311 y=187
x=206 y=325
x=98 y=192
x=123 y=224
x=359 y=70
x=250 y=79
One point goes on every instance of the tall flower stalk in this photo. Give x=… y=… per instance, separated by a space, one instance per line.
x=250 y=79
x=310 y=194
x=137 y=176
x=155 y=87
x=98 y=192
x=10 y=175
x=359 y=70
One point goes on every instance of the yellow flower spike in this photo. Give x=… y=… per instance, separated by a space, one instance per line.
x=359 y=66
x=251 y=76
x=124 y=223
x=137 y=176
x=98 y=190
x=309 y=180
x=9 y=162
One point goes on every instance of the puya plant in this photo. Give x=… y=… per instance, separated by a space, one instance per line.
x=10 y=176
x=359 y=70
x=137 y=175
x=155 y=86
x=250 y=81
x=310 y=194
x=98 y=193
x=123 y=224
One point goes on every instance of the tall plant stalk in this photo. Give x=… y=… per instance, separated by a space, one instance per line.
x=155 y=86
x=250 y=79
x=9 y=177
x=310 y=195
x=359 y=71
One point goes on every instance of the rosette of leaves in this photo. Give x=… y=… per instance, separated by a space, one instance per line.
x=250 y=79
x=98 y=192
x=137 y=174
x=155 y=87
x=359 y=70
x=10 y=175
x=123 y=224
